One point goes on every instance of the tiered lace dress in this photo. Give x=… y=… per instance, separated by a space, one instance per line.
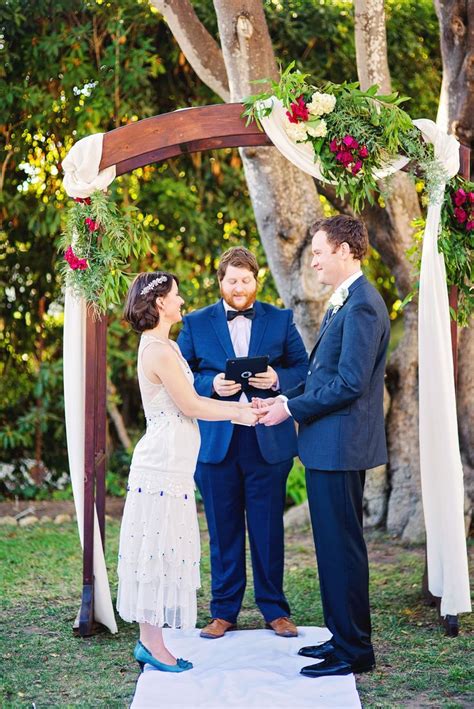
x=159 y=552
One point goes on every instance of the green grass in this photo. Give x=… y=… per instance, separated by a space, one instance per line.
x=45 y=665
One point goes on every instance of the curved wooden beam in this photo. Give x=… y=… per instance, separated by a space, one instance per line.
x=188 y=130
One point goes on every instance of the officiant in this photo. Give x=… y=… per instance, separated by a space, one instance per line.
x=242 y=471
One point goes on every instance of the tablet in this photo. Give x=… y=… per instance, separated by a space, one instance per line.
x=240 y=369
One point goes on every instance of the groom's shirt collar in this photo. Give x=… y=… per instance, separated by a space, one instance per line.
x=349 y=281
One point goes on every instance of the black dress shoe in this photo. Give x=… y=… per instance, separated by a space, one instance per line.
x=333 y=667
x=318 y=652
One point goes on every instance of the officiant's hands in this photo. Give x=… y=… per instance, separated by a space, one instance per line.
x=225 y=387
x=264 y=380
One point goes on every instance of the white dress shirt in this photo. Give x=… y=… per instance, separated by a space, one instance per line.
x=240 y=329
x=344 y=285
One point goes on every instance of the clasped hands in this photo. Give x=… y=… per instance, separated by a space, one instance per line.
x=268 y=412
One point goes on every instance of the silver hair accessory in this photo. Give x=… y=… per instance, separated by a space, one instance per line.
x=152 y=285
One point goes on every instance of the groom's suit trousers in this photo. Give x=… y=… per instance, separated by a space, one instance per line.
x=335 y=503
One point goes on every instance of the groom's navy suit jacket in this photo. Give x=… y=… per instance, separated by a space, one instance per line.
x=340 y=407
x=206 y=344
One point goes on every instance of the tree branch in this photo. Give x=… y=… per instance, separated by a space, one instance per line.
x=199 y=48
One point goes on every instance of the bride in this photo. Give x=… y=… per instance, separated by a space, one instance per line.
x=158 y=566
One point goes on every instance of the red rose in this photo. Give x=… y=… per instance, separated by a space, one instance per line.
x=470 y=225
x=344 y=157
x=357 y=167
x=334 y=146
x=75 y=262
x=83 y=200
x=350 y=142
x=460 y=215
x=470 y=196
x=298 y=111
x=91 y=224
x=459 y=197
x=363 y=152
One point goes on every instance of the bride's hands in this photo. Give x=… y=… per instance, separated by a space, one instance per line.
x=247 y=415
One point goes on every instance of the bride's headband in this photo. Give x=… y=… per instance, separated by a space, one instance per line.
x=152 y=284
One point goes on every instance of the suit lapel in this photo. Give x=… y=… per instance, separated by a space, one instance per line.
x=219 y=323
x=331 y=319
x=259 y=325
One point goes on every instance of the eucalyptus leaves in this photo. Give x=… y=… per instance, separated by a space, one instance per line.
x=97 y=243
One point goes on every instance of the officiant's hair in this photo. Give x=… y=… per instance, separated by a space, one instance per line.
x=346 y=229
x=140 y=308
x=237 y=256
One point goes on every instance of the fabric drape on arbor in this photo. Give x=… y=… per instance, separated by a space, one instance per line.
x=440 y=459
x=74 y=409
x=82 y=177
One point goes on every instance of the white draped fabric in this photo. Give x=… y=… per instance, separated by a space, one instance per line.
x=74 y=400
x=81 y=167
x=440 y=459
x=82 y=177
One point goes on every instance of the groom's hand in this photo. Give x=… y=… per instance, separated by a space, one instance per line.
x=276 y=414
x=262 y=404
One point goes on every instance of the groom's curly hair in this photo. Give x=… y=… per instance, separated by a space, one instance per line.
x=346 y=229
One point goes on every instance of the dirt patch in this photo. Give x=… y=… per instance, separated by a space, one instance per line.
x=51 y=508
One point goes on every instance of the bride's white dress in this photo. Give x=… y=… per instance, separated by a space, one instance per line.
x=158 y=566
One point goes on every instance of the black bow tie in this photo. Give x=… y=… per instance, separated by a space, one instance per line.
x=249 y=313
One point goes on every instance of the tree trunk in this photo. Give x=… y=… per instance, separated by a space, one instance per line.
x=391 y=233
x=116 y=416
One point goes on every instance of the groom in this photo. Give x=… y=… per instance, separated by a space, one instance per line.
x=341 y=433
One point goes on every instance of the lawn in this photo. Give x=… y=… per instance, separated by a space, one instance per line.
x=43 y=664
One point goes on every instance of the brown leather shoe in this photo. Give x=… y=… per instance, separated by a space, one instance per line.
x=283 y=627
x=217 y=628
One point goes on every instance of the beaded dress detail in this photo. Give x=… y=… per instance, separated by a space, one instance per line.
x=159 y=552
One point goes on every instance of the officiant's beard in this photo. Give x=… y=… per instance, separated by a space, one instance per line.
x=239 y=303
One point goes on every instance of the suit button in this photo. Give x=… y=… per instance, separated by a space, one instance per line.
x=309 y=372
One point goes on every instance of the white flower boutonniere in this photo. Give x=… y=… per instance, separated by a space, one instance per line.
x=338 y=298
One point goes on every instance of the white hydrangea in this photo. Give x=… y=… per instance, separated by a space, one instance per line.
x=296 y=131
x=321 y=104
x=318 y=130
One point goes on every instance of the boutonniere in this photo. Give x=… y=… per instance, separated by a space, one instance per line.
x=338 y=299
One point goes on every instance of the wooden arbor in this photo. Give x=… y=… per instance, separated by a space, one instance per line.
x=132 y=146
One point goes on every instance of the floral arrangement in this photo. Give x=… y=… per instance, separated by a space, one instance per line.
x=97 y=243
x=352 y=132
x=456 y=242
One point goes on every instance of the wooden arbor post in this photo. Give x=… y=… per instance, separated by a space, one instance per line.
x=136 y=145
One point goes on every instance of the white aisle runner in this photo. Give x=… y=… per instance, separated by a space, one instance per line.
x=245 y=668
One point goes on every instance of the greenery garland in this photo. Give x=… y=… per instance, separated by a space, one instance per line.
x=352 y=132
x=456 y=243
x=97 y=243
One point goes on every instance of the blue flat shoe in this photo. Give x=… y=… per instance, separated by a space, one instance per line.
x=144 y=657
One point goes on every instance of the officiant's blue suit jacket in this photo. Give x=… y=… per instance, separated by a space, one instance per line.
x=340 y=407
x=206 y=344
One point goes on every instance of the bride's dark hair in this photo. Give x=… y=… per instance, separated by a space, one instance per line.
x=140 y=307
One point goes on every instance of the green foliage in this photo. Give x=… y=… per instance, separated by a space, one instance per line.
x=296 y=484
x=456 y=243
x=99 y=240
